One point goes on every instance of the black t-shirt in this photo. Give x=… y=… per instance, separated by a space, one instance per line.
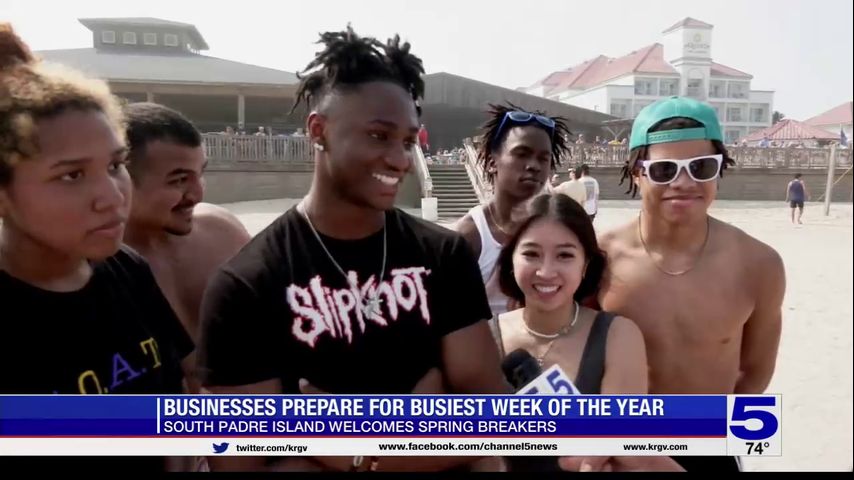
x=116 y=335
x=282 y=309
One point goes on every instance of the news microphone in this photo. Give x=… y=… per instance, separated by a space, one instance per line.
x=520 y=368
x=523 y=371
x=525 y=375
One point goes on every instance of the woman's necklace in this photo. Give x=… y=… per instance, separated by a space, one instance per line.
x=551 y=337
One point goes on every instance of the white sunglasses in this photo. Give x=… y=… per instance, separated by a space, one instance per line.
x=701 y=169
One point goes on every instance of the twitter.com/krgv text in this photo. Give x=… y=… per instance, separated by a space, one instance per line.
x=225 y=447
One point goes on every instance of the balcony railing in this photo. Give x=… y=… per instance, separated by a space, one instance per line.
x=695 y=92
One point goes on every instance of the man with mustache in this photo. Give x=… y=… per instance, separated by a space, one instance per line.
x=183 y=240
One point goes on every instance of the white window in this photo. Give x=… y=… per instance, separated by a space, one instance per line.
x=645 y=86
x=738 y=90
x=732 y=136
x=149 y=38
x=668 y=87
x=108 y=36
x=620 y=108
x=129 y=38
x=170 y=40
x=695 y=88
x=718 y=109
x=639 y=105
x=734 y=114
x=717 y=89
x=759 y=113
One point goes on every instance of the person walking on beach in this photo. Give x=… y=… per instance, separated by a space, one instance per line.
x=796 y=193
x=591 y=187
x=573 y=188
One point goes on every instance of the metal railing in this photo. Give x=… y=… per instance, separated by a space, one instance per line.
x=481 y=186
x=222 y=148
x=745 y=157
x=789 y=157
x=423 y=172
x=597 y=155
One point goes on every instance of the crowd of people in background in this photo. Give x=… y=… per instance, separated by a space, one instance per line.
x=261 y=131
x=453 y=156
x=597 y=140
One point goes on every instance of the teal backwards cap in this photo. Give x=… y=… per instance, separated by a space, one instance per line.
x=670 y=108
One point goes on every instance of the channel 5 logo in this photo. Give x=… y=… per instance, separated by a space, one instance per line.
x=751 y=409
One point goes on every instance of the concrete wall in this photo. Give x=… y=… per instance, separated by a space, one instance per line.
x=745 y=184
x=239 y=183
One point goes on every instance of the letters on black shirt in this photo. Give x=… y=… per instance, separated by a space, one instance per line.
x=116 y=335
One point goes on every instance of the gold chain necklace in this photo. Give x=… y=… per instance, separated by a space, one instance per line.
x=681 y=272
x=551 y=337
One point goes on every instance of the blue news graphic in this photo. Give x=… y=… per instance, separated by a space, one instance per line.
x=531 y=416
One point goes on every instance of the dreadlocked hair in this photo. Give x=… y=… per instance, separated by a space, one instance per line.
x=492 y=140
x=31 y=91
x=639 y=154
x=349 y=60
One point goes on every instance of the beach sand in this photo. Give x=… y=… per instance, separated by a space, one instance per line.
x=814 y=368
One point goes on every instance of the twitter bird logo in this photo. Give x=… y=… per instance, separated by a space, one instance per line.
x=221 y=448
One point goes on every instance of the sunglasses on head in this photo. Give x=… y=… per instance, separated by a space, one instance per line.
x=700 y=169
x=517 y=116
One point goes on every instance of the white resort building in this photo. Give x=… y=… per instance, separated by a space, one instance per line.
x=680 y=65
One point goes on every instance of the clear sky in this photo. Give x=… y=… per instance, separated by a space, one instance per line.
x=802 y=49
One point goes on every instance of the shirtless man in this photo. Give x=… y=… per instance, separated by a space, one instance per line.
x=183 y=240
x=573 y=188
x=706 y=296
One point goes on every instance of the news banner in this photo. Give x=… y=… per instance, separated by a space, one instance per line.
x=309 y=425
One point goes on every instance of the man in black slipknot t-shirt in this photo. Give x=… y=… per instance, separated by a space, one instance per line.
x=344 y=290
x=281 y=309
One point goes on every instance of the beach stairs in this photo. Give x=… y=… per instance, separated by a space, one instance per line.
x=453 y=190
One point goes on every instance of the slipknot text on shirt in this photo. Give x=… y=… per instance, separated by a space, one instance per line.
x=322 y=310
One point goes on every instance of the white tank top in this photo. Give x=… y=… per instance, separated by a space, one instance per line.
x=488 y=261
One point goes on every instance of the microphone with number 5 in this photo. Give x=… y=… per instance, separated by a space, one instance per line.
x=523 y=372
x=527 y=377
